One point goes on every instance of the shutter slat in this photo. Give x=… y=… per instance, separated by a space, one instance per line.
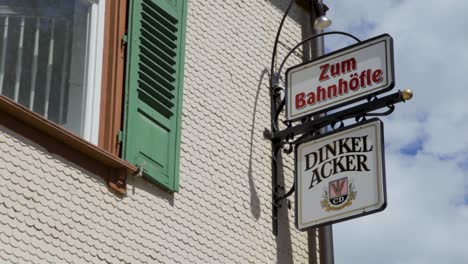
x=152 y=51
x=154 y=67
x=159 y=10
x=156 y=87
x=156 y=77
x=157 y=29
x=144 y=84
x=154 y=105
x=160 y=44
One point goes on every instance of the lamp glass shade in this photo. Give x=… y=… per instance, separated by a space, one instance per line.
x=322 y=22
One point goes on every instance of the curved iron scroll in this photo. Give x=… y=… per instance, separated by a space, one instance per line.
x=277 y=114
x=275 y=47
x=277 y=200
x=390 y=110
x=306 y=40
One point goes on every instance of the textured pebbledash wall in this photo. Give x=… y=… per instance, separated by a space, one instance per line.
x=52 y=211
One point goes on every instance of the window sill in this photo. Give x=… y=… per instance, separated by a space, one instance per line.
x=58 y=140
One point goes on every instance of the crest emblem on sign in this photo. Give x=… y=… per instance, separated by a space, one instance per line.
x=339 y=195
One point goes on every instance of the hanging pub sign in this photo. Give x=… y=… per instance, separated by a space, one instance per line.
x=340 y=77
x=340 y=175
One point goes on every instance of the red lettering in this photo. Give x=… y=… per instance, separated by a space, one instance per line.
x=324 y=75
x=300 y=101
x=377 y=76
x=348 y=65
x=335 y=70
x=332 y=91
x=342 y=87
x=356 y=81
x=310 y=98
x=362 y=76
x=321 y=94
x=368 y=78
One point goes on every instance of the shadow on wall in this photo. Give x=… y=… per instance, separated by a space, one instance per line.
x=133 y=182
x=254 y=199
x=283 y=240
x=284 y=252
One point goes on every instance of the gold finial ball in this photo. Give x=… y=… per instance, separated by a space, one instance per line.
x=407 y=94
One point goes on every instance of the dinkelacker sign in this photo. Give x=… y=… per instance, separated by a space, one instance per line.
x=340 y=175
x=339 y=78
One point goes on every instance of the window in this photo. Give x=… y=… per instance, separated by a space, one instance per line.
x=53 y=57
x=155 y=63
x=50 y=60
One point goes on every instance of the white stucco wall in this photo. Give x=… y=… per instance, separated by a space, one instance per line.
x=52 y=211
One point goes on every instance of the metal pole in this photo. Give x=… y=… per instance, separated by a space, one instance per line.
x=326 y=245
x=325 y=233
x=275 y=144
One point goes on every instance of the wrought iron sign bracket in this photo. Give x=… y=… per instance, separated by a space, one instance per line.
x=310 y=128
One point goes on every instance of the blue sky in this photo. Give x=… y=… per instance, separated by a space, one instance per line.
x=426 y=220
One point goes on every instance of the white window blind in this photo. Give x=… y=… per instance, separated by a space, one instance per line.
x=50 y=59
x=34 y=63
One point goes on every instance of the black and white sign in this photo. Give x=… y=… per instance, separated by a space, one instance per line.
x=340 y=175
x=340 y=77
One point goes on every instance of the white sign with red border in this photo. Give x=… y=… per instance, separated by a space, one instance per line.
x=340 y=78
x=340 y=175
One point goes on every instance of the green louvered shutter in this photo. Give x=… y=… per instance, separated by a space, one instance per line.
x=155 y=63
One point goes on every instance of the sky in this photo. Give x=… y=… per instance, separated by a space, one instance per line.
x=426 y=139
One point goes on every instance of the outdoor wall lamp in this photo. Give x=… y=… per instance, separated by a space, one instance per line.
x=322 y=20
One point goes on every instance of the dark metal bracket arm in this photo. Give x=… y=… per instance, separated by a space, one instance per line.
x=279 y=198
x=359 y=112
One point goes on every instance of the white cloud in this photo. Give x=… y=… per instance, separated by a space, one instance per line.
x=427 y=217
x=425 y=221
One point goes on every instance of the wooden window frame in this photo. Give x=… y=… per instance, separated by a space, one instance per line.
x=113 y=79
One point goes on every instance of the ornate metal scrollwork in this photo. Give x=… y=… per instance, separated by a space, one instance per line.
x=390 y=110
x=334 y=123
x=290 y=147
x=360 y=118
x=279 y=198
x=358 y=112
x=372 y=97
x=277 y=90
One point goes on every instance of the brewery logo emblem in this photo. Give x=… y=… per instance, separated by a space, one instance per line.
x=339 y=195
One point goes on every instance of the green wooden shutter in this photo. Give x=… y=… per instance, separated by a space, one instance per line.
x=155 y=63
